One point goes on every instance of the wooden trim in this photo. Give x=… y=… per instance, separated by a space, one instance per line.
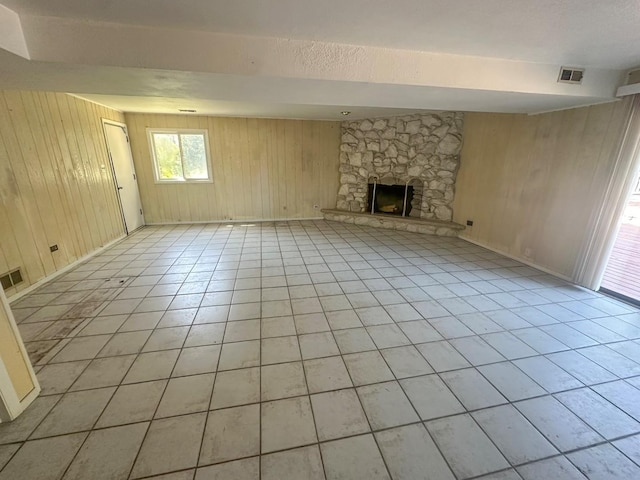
x=11 y=405
x=518 y=259
x=65 y=269
x=106 y=122
x=254 y=220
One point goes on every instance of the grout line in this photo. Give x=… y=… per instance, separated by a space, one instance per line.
x=308 y=394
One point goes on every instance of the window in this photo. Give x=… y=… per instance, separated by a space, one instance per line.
x=180 y=156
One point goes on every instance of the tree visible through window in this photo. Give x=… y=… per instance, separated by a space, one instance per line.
x=180 y=155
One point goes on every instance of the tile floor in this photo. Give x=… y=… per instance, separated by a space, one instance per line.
x=313 y=350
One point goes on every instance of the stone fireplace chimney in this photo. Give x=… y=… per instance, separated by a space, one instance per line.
x=421 y=149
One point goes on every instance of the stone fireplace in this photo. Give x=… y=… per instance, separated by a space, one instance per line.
x=383 y=160
x=423 y=150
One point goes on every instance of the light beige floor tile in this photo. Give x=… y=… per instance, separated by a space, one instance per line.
x=104 y=372
x=466 y=448
x=239 y=355
x=410 y=453
x=206 y=334
x=367 y=367
x=108 y=453
x=171 y=444
x=231 y=433
x=152 y=366
x=282 y=380
x=245 y=469
x=166 y=339
x=287 y=423
x=316 y=345
x=277 y=327
x=185 y=395
x=236 y=387
x=19 y=429
x=406 y=362
x=197 y=360
x=44 y=459
x=338 y=414
x=431 y=397
x=75 y=412
x=125 y=343
x=355 y=458
x=241 y=331
x=81 y=348
x=280 y=350
x=132 y=403
x=58 y=377
x=325 y=374
x=386 y=405
x=300 y=463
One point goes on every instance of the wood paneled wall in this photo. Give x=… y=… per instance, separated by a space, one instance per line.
x=56 y=183
x=262 y=169
x=531 y=184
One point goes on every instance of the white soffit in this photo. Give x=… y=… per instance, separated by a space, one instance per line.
x=160 y=91
x=11 y=36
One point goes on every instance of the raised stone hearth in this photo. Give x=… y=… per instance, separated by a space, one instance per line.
x=422 y=150
x=393 y=222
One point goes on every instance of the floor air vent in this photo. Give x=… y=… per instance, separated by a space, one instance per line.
x=571 y=75
x=11 y=279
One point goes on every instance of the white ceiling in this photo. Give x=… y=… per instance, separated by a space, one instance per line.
x=303 y=59
x=603 y=33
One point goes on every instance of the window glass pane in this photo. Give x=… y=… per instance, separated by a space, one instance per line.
x=194 y=156
x=168 y=156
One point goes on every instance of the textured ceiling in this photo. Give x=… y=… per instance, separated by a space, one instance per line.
x=600 y=33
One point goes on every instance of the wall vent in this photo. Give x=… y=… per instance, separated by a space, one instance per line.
x=11 y=279
x=571 y=75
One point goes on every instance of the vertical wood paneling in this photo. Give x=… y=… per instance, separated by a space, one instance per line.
x=56 y=185
x=532 y=183
x=262 y=169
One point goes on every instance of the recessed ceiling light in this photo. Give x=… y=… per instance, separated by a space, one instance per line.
x=186 y=110
x=345 y=113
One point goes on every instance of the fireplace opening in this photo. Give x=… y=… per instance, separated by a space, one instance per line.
x=390 y=199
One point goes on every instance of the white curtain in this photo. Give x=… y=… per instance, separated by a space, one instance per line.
x=605 y=222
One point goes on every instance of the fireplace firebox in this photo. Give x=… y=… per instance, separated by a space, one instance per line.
x=390 y=199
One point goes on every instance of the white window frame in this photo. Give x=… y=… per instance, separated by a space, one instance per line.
x=179 y=131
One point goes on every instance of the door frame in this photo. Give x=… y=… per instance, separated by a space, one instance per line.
x=11 y=406
x=105 y=122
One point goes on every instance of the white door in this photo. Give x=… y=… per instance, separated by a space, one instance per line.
x=126 y=181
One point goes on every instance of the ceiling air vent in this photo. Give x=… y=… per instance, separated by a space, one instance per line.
x=571 y=75
x=10 y=279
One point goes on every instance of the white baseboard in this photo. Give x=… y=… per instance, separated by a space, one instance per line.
x=254 y=220
x=518 y=259
x=65 y=269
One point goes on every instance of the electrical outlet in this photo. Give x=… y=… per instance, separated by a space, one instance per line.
x=54 y=248
x=527 y=252
x=469 y=223
x=316 y=206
